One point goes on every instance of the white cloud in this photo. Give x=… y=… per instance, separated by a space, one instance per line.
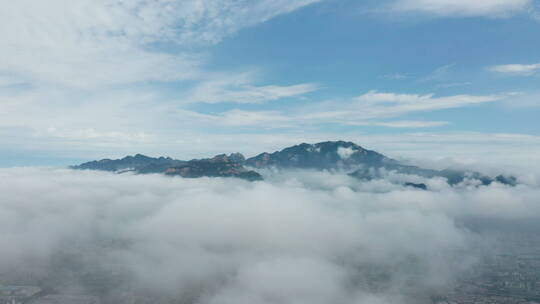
x=423 y=101
x=302 y=238
x=516 y=69
x=345 y=153
x=454 y=84
x=395 y=76
x=411 y=124
x=69 y=113
x=81 y=75
x=367 y=109
x=523 y=100
x=92 y=134
x=89 y=43
x=118 y=122
x=372 y=107
x=239 y=89
x=64 y=46
x=485 y=8
x=261 y=119
x=377 y=104
x=400 y=124
x=440 y=73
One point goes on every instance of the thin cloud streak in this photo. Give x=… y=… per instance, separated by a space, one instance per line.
x=464 y=8
x=367 y=109
x=515 y=69
x=240 y=89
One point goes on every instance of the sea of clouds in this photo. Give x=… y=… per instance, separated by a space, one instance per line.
x=297 y=237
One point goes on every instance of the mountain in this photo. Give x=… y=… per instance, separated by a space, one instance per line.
x=340 y=156
x=138 y=163
x=325 y=155
x=360 y=163
x=219 y=166
x=453 y=177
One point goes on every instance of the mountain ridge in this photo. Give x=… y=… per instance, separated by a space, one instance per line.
x=343 y=156
x=324 y=155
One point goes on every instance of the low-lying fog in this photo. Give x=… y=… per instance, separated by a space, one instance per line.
x=298 y=237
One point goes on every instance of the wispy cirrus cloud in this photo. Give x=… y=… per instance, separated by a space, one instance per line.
x=375 y=108
x=441 y=73
x=395 y=76
x=464 y=8
x=380 y=104
x=240 y=89
x=404 y=124
x=515 y=69
x=370 y=109
x=91 y=44
x=260 y=119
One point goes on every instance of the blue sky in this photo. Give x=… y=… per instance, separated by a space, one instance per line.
x=414 y=78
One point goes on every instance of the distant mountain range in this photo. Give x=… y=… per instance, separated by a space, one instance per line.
x=331 y=155
x=218 y=166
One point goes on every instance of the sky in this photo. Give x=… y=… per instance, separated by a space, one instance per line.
x=420 y=79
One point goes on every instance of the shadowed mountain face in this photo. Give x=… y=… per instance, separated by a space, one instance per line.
x=453 y=177
x=325 y=155
x=219 y=166
x=138 y=163
x=331 y=155
x=360 y=163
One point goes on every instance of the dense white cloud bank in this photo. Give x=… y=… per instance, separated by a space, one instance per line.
x=300 y=237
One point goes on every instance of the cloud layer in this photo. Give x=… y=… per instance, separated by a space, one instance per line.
x=296 y=238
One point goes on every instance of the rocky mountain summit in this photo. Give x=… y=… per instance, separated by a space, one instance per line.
x=218 y=166
x=339 y=156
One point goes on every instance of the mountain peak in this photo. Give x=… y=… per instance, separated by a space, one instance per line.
x=340 y=143
x=232 y=158
x=323 y=155
x=329 y=155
